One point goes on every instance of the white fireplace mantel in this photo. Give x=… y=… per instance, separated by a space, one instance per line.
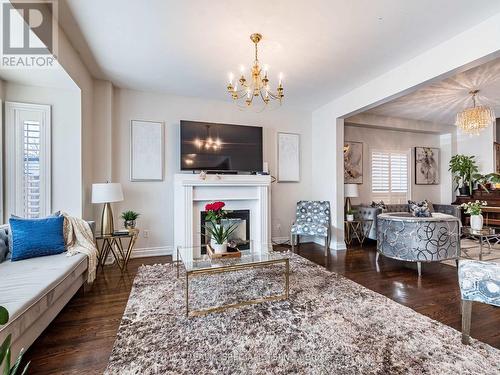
x=237 y=191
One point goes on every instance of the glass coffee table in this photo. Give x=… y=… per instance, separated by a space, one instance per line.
x=488 y=235
x=195 y=263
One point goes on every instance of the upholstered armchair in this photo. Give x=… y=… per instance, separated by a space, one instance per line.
x=312 y=218
x=479 y=282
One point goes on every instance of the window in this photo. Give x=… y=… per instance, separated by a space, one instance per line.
x=28 y=159
x=390 y=176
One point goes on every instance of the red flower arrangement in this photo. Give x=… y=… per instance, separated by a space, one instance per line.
x=216 y=206
x=215 y=211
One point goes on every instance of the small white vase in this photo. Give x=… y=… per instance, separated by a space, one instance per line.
x=476 y=222
x=219 y=248
x=350 y=217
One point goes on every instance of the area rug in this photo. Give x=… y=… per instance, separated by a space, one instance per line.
x=329 y=325
x=470 y=250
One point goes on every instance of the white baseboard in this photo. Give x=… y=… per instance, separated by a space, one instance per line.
x=152 y=251
x=280 y=239
x=334 y=245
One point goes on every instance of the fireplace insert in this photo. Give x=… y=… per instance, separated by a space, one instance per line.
x=242 y=233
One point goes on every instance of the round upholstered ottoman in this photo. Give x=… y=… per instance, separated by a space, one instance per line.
x=402 y=236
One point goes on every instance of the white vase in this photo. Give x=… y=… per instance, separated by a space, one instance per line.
x=350 y=217
x=476 y=222
x=219 y=248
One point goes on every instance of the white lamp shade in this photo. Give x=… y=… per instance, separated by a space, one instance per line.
x=107 y=193
x=351 y=190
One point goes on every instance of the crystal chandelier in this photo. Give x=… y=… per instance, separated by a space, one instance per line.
x=258 y=86
x=473 y=120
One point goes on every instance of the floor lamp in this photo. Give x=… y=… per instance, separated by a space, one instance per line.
x=350 y=191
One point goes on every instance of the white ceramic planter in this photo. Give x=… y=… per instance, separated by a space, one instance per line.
x=476 y=222
x=350 y=217
x=218 y=248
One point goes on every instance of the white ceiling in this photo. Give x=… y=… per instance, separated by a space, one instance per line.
x=440 y=102
x=325 y=48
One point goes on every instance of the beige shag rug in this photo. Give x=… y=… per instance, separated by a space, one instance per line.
x=330 y=325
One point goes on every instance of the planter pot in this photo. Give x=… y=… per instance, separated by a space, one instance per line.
x=350 y=217
x=464 y=190
x=218 y=248
x=476 y=222
x=129 y=224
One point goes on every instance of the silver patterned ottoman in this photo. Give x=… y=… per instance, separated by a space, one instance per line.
x=403 y=236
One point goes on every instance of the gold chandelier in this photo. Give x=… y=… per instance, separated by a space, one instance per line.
x=473 y=120
x=258 y=86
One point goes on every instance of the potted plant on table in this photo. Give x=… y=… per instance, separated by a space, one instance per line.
x=463 y=167
x=486 y=181
x=350 y=215
x=219 y=233
x=129 y=218
x=474 y=209
x=5 y=350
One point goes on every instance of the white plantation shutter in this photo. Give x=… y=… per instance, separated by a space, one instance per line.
x=389 y=176
x=28 y=159
x=31 y=172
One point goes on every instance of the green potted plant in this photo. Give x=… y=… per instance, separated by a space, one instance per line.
x=5 y=350
x=474 y=209
x=485 y=181
x=463 y=167
x=350 y=215
x=218 y=232
x=129 y=218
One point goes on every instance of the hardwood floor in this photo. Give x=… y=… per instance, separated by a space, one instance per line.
x=81 y=337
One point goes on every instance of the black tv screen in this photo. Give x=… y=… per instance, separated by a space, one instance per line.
x=220 y=147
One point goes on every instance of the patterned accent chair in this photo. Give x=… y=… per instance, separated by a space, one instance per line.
x=479 y=282
x=312 y=218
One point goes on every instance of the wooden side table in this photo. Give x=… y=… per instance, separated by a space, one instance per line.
x=114 y=243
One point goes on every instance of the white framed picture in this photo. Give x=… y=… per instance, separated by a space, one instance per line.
x=146 y=150
x=288 y=157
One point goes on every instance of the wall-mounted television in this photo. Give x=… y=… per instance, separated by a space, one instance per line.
x=220 y=147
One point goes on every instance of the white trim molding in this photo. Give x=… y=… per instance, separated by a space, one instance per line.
x=145 y=252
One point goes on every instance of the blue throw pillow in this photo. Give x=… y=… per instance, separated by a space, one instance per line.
x=36 y=237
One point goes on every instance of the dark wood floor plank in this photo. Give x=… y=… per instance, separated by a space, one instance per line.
x=80 y=339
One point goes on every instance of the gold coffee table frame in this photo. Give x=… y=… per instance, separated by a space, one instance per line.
x=230 y=267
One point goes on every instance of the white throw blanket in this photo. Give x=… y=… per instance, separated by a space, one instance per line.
x=79 y=239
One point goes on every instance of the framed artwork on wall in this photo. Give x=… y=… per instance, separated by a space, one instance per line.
x=426 y=166
x=353 y=162
x=497 y=156
x=146 y=150
x=288 y=157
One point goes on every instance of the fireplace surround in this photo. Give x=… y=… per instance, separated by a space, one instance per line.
x=240 y=192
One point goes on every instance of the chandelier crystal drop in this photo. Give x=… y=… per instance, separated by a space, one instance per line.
x=473 y=120
x=257 y=86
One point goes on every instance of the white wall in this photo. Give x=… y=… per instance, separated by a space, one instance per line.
x=381 y=139
x=479 y=145
x=66 y=140
x=155 y=200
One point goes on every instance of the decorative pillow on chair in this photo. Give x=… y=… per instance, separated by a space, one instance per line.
x=36 y=237
x=4 y=248
x=419 y=209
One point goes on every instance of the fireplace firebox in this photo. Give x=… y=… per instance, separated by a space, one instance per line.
x=242 y=233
